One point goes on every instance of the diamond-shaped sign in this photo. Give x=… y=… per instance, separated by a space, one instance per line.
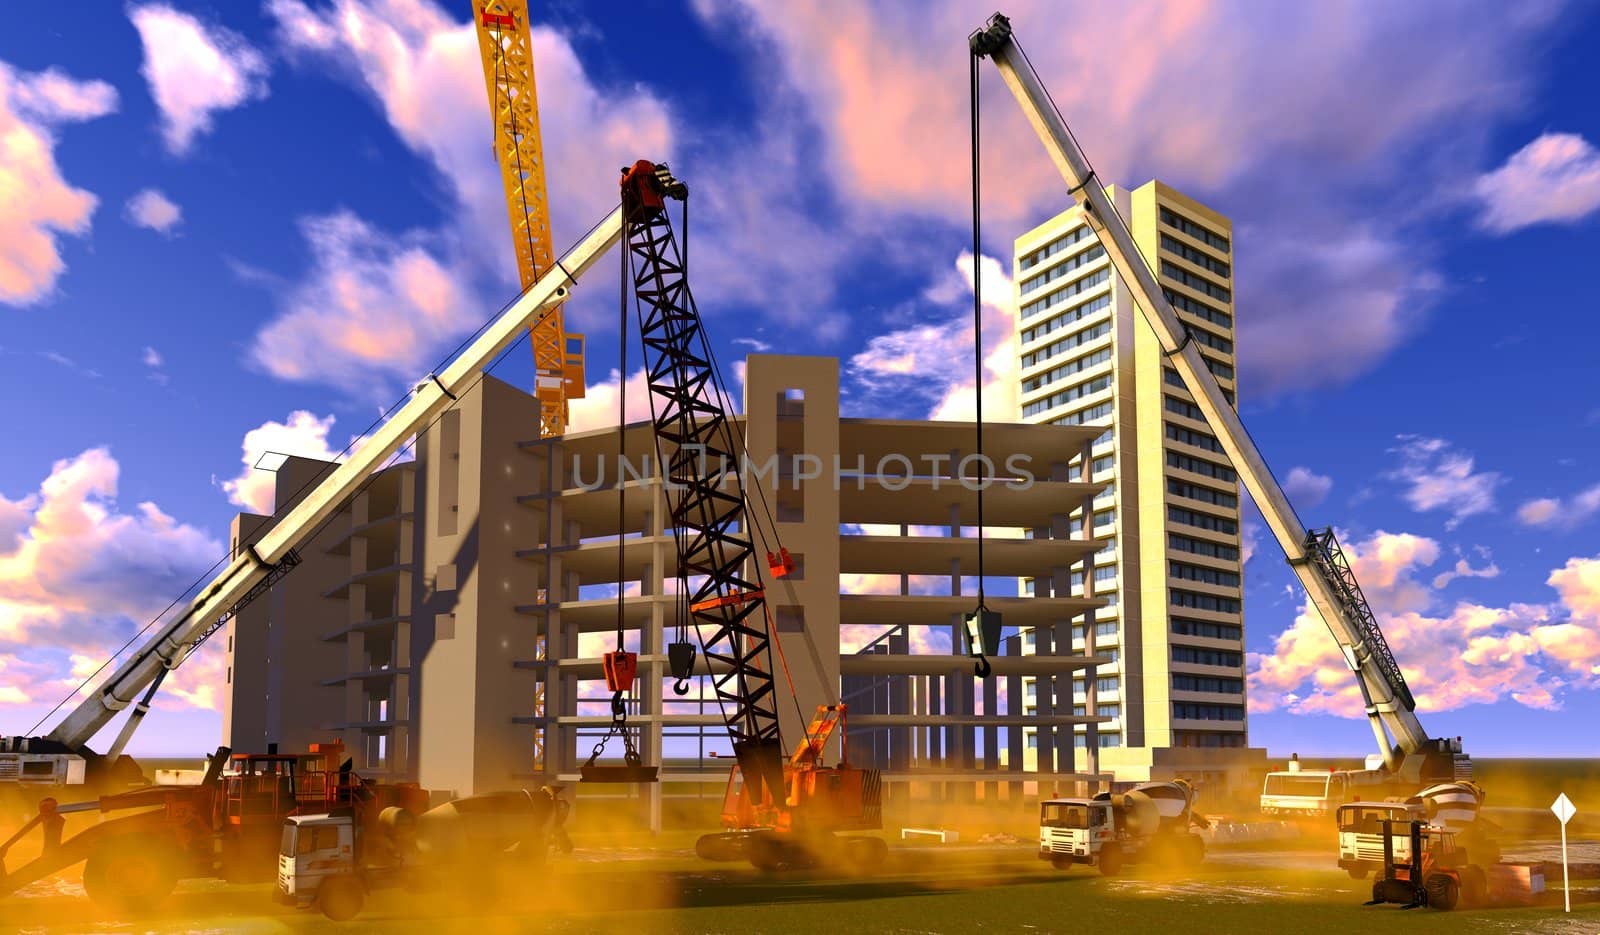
x=1563 y=808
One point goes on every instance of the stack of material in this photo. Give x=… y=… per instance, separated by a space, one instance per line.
x=1515 y=883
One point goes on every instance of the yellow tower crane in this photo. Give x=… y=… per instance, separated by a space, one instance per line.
x=502 y=27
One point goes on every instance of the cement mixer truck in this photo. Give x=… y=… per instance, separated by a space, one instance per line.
x=333 y=860
x=1154 y=821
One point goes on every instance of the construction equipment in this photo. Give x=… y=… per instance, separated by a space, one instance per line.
x=1155 y=821
x=1408 y=752
x=333 y=859
x=779 y=814
x=1434 y=872
x=1361 y=832
x=64 y=753
x=227 y=826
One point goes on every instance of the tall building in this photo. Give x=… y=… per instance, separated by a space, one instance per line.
x=1170 y=563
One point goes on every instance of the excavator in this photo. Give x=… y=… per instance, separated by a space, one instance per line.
x=1409 y=758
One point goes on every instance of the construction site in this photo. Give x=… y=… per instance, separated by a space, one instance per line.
x=751 y=657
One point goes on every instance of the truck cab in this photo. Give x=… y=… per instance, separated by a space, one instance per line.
x=314 y=849
x=1075 y=831
x=1294 y=793
x=1361 y=827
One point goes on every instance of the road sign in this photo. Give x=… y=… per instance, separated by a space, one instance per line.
x=1564 y=810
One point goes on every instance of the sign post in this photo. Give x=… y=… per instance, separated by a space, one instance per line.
x=1564 y=811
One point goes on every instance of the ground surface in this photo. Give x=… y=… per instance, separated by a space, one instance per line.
x=1288 y=887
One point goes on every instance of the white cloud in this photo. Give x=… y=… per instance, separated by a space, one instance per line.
x=39 y=204
x=1554 y=179
x=151 y=357
x=195 y=71
x=303 y=434
x=1463 y=569
x=1306 y=487
x=1562 y=513
x=1439 y=477
x=78 y=575
x=598 y=407
x=1453 y=655
x=374 y=305
x=153 y=210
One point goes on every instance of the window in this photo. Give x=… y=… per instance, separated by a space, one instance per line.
x=1071 y=238
x=1199 y=309
x=1199 y=466
x=1174 y=380
x=1108 y=683
x=1190 y=711
x=1211 y=602
x=1186 y=409
x=1033 y=741
x=1102 y=463
x=1187 y=572
x=1183 y=626
x=1080 y=710
x=1076 y=287
x=1206 y=683
x=1180 y=488
x=1110 y=740
x=1199 y=232
x=1202 y=547
x=1106 y=518
x=1178 y=433
x=1206 y=657
x=1066 y=370
x=1069 y=317
x=1106 y=710
x=1197 y=283
x=1100 y=411
x=1221 y=371
x=1202 y=520
x=1212 y=341
x=1199 y=258
x=1076 y=261
x=1186 y=738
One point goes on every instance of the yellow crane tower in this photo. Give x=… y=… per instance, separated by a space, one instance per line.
x=502 y=27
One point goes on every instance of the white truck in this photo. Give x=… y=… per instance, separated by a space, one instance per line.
x=1153 y=821
x=331 y=861
x=1361 y=831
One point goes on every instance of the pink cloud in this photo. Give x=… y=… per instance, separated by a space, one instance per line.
x=1564 y=513
x=195 y=71
x=1554 y=179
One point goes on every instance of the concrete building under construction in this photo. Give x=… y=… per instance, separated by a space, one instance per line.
x=448 y=623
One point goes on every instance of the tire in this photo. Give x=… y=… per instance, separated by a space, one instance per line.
x=340 y=898
x=865 y=854
x=1357 y=873
x=1193 y=849
x=1379 y=892
x=1444 y=893
x=722 y=847
x=131 y=875
x=1061 y=862
x=1111 y=859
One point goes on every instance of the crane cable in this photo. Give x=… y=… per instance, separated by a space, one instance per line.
x=981 y=668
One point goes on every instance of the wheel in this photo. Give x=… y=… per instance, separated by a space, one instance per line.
x=1111 y=860
x=1061 y=862
x=1192 y=850
x=340 y=898
x=1443 y=891
x=132 y=874
x=1379 y=892
x=865 y=854
x=768 y=854
x=722 y=847
x=1357 y=873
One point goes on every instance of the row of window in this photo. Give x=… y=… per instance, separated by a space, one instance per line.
x=1202 y=520
x=1077 y=287
x=1202 y=547
x=1076 y=261
x=1074 y=340
x=1197 y=283
x=1102 y=463
x=1201 y=466
x=1206 y=657
x=1210 y=340
x=1070 y=316
x=1175 y=380
x=1200 y=258
x=1185 y=738
x=1101 y=411
x=1204 y=575
x=1183 y=626
x=1081 y=741
x=1184 y=408
x=1075 y=236
x=1199 y=309
x=1181 y=488
x=1062 y=397
x=1190 y=711
x=1207 y=683
x=1197 y=601
x=1069 y=368
x=1178 y=433
x=1101 y=573
x=1199 y=232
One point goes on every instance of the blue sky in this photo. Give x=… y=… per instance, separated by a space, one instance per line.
x=1415 y=195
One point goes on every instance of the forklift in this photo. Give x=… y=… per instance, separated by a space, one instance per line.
x=1436 y=871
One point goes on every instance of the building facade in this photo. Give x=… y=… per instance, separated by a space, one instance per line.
x=449 y=622
x=1170 y=562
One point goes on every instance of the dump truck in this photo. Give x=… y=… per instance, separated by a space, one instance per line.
x=1153 y=821
x=332 y=861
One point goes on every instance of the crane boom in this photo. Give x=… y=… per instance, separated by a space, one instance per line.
x=503 y=42
x=1315 y=556
x=168 y=647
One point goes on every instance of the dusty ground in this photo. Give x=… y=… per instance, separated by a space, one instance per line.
x=661 y=887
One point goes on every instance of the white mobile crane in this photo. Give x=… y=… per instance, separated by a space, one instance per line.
x=63 y=758
x=1410 y=757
